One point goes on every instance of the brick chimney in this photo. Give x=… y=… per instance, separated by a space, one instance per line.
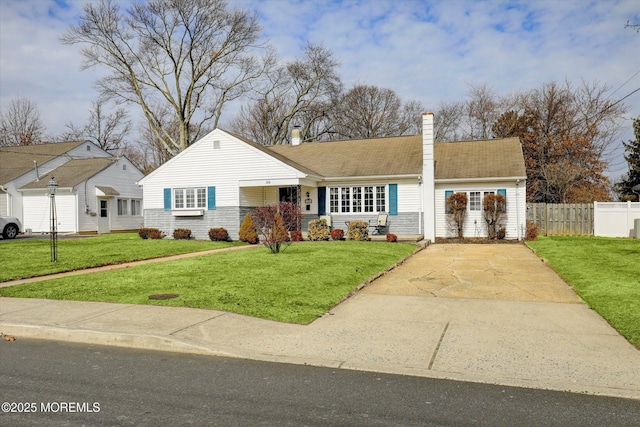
x=428 y=177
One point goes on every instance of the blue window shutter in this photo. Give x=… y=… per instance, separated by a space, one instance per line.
x=503 y=192
x=211 y=198
x=393 y=199
x=322 y=200
x=167 y=199
x=447 y=194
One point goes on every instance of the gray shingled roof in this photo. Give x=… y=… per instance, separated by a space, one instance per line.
x=403 y=156
x=16 y=161
x=73 y=172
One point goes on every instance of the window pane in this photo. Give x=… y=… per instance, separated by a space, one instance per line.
x=191 y=198
x=357 y=199
x=334 y=200
x=381 y=205
x=346 y=199
x=122 y=206
x=135 y=207
x=368 y=199
x=474 y=201
x=179 y=197
x=202 y=198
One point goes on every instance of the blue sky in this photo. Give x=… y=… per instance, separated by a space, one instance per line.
x=425 y=51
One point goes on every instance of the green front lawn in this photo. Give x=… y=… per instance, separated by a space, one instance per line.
x=30 y=257
x=295 y=286
x=604 y=271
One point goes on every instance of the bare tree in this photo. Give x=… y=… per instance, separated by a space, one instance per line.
x=301 y=92
x=482 y=109
x=446 y=121
x=107 y=130
x=191 y=56
x=20 y=123
x=369 y=111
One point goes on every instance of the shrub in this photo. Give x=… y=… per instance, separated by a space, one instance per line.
x=501 y=233
x=392 y=237
x=318 y=230
x=270 y=225
x=358 y=230
x=154 y=233
x=494 y=208
x=296 y=236
x=182 y=234
x=248 y=231
x=457 y=212
x=337 y=234
x=219 y=234
x=150 y=233
x=532 y=231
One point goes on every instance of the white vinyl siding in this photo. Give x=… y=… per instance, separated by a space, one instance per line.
x=475 y=225
x=199 y=167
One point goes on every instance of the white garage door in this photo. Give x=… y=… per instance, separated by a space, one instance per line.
x=36 y=209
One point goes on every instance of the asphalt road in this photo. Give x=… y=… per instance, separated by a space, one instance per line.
x=44 y=383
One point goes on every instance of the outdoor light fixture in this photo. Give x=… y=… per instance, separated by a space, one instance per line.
x=52 y=187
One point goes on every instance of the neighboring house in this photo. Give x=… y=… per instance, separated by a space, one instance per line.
x=222 y=177
x=97 y=192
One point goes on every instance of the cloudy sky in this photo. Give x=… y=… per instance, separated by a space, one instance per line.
x=429 y=51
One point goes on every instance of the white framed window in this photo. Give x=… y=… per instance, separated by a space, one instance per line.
x=123 y=207
x=358 y=199
x=189 y=198
x=136 y=207
x=475 y=201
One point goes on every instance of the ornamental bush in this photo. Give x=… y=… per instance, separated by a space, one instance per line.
x=392 y=237
x=296 y=236
x=532 y=231
x=182 y=234
x=248 y=231
x=270 y=225
x=150 y=233
x=318 y=230
x=219 y=234
x=457 y=212
x=358 y=230
x=337 y=234
x=494 y=209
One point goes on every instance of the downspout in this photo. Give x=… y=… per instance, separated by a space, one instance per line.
x=421 y=204
x=518 y=209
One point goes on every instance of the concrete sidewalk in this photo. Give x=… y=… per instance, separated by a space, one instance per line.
x=502 y=340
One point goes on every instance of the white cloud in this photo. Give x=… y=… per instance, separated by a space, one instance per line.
x=427 y=51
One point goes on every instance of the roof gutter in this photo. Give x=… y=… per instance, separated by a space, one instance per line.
x=371 y=177
x=499 y=178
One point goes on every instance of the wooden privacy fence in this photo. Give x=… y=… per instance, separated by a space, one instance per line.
x=562 y=219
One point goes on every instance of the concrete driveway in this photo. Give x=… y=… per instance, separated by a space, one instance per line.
x=508 y=272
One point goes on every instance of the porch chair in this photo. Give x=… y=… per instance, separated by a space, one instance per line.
x=380 y=223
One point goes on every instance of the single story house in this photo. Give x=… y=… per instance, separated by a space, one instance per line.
x=222 y=177
x=97 y=192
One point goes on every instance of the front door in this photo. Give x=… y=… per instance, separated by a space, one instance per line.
x=104 y=225
x=289 y=195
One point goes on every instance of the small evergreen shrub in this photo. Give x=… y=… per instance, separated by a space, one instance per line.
x=501 y=233
x=296 y=236
x=219 y=234
x=392 y=237
x=358 y=230
x=248 y=231
x=337 y=234
x=318 y=230
x=532 y=231
x=182 y=234
x=150 y=233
